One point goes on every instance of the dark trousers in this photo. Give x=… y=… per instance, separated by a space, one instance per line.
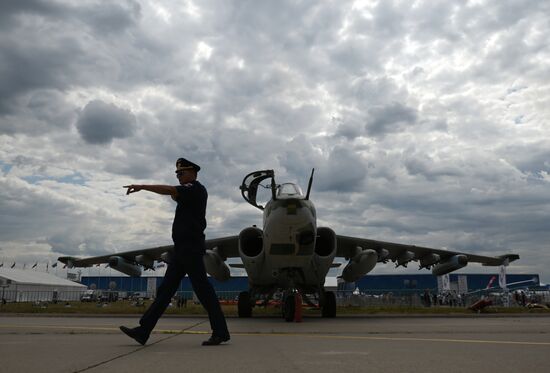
x=193 y=266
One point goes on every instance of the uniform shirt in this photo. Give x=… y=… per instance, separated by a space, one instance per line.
x=190 y=221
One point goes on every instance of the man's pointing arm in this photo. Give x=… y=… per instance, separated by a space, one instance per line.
x=167 y=190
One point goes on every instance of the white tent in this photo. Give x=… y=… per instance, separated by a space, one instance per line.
x=18 y=285
x=331 y=283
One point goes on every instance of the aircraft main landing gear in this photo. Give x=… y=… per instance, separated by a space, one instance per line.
x=244 y=305
x=329 y=304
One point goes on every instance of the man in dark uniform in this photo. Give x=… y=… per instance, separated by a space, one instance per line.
x=189 y=248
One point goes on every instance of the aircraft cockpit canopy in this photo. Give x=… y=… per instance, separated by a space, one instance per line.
x=251 y=182
x=289 y=190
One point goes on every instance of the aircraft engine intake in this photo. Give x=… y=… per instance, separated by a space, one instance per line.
x=251 y=242
x=449 y=265
x=216 y=266
x=359 y=265
x=251 y=249
x=122 y=265
x=325 y=249
x=325 y=245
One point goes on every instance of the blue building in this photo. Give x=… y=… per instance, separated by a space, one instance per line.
x=462 y=282
x=369 y=283
x=149 y=284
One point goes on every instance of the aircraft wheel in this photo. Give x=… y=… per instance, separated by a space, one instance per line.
x=244 y=305
x=329 y=307
x=289 y=308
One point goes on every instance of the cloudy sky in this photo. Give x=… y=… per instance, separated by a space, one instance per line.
x=427 y=121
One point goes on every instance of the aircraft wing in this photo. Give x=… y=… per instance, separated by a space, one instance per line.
x=347 y=248
x=153 y=253
x=227 y=247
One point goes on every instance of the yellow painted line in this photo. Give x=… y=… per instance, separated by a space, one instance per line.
x=56 y=327
x=111 y=329
x=348 y=337
x=186 y=332
x=302 y=335
x=407 y=339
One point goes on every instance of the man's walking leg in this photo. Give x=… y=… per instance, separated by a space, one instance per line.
x=207 y=296
x=165 y=292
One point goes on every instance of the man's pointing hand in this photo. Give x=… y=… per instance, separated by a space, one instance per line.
x=132 y=188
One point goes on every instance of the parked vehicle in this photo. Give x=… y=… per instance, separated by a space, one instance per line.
x=109 y=296
x=89 y=296
x=140 y=295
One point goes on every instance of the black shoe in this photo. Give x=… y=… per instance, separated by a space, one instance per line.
x=215 y=340
x=136 y=333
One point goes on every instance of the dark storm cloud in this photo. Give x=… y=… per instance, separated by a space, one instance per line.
x=427 y=167
x=109 y=17
x=349 y=130
x=390 y=119
x=429 y=20
x=23 y=206
x=138 y=166
x=282 y=117
x=491 y=16
x=354 y=57
x=81 y=242
x=344 y=171
x=284 y=27
x=300 y=156
x=339 y=168
x=369 y=109
x=385 y=20
x=295 y=40
x=103 y=17
x=49 y=47
x=27 y=66
x=9 y=10
x=44 y=111
x=100 y=123
x=531 y=159
x=473 y=216
x=365 y=92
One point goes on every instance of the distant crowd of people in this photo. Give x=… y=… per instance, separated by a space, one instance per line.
x=522 y=298
x=448 y=298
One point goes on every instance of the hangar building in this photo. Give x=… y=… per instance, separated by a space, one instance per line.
x=17 y=285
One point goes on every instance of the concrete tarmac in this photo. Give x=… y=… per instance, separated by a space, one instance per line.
x=344 y=344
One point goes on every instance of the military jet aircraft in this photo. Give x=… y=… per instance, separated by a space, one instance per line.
x=291 y=254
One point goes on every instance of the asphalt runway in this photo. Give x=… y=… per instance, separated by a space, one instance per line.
x=344 y=344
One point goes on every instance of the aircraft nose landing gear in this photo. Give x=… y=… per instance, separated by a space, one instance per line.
x=292 y=306
x=289 y=307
